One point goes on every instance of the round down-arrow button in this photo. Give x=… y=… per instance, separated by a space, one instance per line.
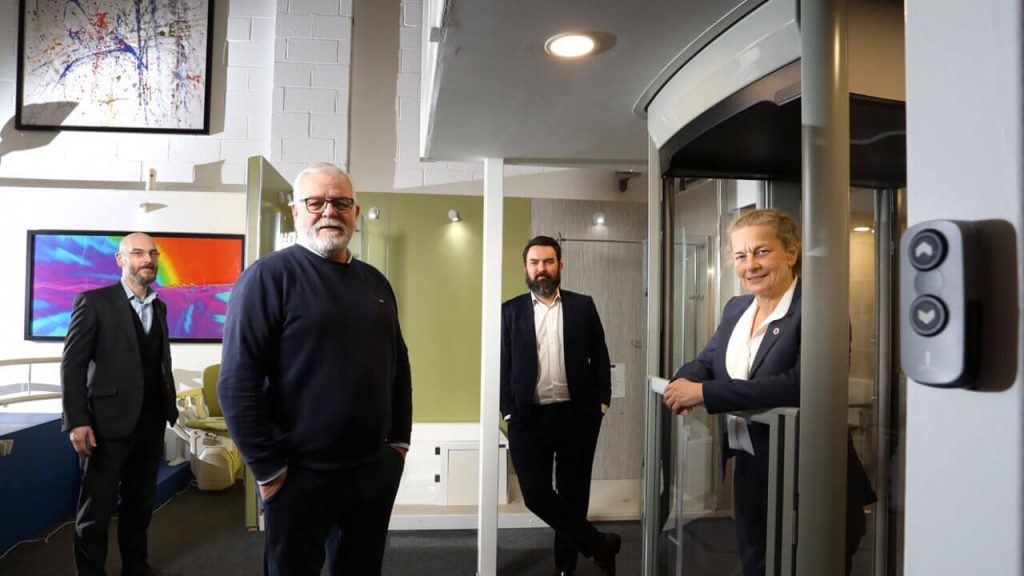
x=928 y=315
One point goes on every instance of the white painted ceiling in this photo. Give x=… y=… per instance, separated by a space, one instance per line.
x=499 y=94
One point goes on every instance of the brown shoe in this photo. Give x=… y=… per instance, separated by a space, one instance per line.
x=604 y=554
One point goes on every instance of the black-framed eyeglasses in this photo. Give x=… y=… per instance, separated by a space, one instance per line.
x=137 y=253
x=341 y=205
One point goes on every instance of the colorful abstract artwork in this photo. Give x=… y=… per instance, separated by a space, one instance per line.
x=194 y=278
x=127 y=65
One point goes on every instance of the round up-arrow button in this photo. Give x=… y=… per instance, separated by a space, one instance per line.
x=927 y=249
x=928 y=315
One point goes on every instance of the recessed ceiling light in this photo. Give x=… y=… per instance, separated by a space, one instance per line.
x=573 y=45
x=862 y=229
x=570 y=45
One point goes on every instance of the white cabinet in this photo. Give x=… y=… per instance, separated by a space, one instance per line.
x=442 y=463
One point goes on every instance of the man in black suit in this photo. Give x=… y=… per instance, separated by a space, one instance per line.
x=118 y=398
x=555 y=389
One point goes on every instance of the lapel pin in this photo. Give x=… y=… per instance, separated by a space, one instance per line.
x=775 y=332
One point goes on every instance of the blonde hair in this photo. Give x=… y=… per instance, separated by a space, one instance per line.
x=785 y=228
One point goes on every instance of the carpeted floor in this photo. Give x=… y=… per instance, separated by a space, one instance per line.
x=201 y=533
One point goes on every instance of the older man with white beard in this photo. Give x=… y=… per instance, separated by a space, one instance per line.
x=316 y=389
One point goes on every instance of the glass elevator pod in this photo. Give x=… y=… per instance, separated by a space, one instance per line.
x=740 y=154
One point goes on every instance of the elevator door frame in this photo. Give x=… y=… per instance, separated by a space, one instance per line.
x=889 y=389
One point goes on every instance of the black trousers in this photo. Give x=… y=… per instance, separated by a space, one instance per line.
x=750 y=504
x=355 y=502
x=559 y=439
x=132 y=465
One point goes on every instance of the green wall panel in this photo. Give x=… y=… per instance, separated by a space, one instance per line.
x=435 y=268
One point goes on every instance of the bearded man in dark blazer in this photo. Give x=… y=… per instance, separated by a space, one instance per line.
x=118 y=399
x=555 y=390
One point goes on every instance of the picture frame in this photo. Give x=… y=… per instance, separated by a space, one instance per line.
x=195 y=274
x=114 y=66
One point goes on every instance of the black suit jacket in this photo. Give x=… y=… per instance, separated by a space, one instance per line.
x=774 y=381
x=101 y=368
x=587 y=367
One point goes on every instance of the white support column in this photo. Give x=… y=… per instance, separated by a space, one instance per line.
x=655 y=311
x=490 y=369
x=965 y=161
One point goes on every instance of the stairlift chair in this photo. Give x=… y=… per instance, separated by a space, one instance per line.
x=216 y=462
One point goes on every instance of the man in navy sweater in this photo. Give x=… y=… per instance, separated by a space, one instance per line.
x=316 y=388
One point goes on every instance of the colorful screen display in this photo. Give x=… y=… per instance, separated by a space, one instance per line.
x=194 y=278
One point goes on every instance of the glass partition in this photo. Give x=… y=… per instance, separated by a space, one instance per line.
x=693 y=510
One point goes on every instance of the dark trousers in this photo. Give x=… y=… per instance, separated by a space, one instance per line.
x=558 y=438
x=356 y=502
x=131 y=463
x=750 y=504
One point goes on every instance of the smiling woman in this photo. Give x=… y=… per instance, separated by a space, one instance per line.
x=752 y=363
x=766 y=252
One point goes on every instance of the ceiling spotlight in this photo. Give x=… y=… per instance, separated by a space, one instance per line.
x=599 y=219
x=572 y=45
x=453 y=215
x=862 y=229
x=373 y=213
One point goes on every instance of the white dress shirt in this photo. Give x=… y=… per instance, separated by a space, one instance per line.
x=739 y=357
x=552 y=384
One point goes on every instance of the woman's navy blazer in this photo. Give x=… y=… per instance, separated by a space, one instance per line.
x=774 y=381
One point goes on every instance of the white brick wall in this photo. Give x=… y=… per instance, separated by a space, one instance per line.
x=311 y=50
x=281 y=87
x=312 y=63
x=243 y=74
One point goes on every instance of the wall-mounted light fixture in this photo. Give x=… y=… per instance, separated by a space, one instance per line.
x=146 y=206
x=623 y=177
x=453 y=215
x=373 y=213
x=862 y=229
x=599 y=219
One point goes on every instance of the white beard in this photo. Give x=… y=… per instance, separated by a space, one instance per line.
x=326 y=246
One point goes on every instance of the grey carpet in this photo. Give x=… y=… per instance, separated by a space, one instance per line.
x=201 y=533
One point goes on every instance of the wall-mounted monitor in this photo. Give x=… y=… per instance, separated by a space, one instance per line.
x=194 y=278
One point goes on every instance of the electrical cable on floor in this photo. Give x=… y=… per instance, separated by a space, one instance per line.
x=46 y=540
x=191 y=484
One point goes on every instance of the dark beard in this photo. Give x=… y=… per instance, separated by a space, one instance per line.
x=544 y=286
x=139 y=279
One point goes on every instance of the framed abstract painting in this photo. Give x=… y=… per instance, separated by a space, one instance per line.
x=195 y=275
x=114 y=65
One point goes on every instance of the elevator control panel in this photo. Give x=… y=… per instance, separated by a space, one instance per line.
x=941 y=271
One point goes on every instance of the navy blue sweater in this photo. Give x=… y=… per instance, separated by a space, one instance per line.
x=314 y=371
